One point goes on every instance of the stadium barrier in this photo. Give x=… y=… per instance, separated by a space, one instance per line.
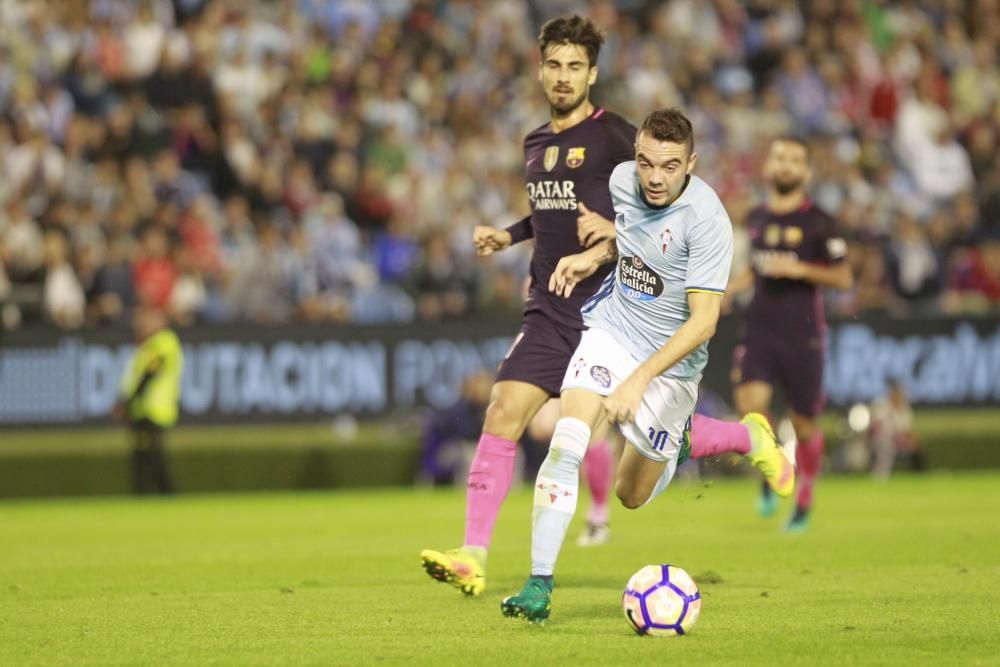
x=234 y=374
x=288 y=383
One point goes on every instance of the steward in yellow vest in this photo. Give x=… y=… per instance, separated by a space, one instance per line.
x=150 y=394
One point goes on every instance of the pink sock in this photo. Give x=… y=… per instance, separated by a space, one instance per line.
x=598 y=468
x=490 y=477
x=808 y=459
x=711 y=437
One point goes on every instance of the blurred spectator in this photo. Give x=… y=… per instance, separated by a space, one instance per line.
x=262 y=287
x=976 y=278
x=449 y=440
x=891 y=434
x=188 y=296
x=192 y=117
x=63 y=299
x=22 y=243
x=872 y=291
x=337 y=254
x=154 y=272
x=395 y=250
x=925 y=140
x=442 y=287
x=916 y=273
x=112 y=291
x=142 y=43
x=803 y=90
x=10 y=314
x=975 y=83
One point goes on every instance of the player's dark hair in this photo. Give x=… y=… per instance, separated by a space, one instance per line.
x=669 y=125
x=572 y=30
x=798 y=141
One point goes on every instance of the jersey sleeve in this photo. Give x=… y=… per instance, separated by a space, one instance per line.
x=621 y=140
x=521 y=230
x=832 y=245
x=710 y=255
x=619 y=186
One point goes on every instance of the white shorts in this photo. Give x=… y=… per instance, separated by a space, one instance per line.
x=661 y=426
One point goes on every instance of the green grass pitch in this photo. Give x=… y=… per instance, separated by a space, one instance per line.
x=898 y=573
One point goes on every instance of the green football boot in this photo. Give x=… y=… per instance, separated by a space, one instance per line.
x=767 y=502
x=799 y=521
x=533 y=603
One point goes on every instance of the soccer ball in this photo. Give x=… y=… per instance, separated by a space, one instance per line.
x=661 y=601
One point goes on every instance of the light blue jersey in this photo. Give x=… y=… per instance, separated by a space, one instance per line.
x=663 y=253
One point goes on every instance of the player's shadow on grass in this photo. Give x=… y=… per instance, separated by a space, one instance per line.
x=589 y=581
x=587 y=611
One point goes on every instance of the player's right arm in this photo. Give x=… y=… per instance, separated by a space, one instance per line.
x=488 y=240
x=705 y=307
x=572 y=269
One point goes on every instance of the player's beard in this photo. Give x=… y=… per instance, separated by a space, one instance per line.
x=568 y=107
x=786 y=186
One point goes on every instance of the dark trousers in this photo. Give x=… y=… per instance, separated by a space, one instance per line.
x=150 y=473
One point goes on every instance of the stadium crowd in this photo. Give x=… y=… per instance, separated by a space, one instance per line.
x=326 y=160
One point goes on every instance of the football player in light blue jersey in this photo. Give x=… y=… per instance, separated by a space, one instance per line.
x=640 y=361
x=666 y=252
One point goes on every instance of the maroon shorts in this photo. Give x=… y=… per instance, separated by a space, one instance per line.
x=540 y=353
x=796 y=366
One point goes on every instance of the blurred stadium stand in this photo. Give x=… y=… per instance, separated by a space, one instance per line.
x=155 y=150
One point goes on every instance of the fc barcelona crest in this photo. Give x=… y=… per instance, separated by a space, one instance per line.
x=574 y=158
x=551 y=157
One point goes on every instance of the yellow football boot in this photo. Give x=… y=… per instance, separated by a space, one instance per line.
x=456 y=567
x=767 y=457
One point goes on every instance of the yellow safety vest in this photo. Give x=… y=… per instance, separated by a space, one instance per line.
x=160 y=354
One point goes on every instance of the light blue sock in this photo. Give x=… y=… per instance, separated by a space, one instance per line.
x=556 y=491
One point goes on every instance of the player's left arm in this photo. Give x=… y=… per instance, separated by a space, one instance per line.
x=837 y=276
x=592 y=227
x=705 y=306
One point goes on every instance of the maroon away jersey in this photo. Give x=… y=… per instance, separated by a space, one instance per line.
x=791 y=307
x=562 y=169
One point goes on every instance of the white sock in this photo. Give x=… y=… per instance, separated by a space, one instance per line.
x=556 y=491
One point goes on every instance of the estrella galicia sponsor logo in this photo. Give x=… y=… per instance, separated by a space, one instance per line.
x=637 y=280
x=601 y=375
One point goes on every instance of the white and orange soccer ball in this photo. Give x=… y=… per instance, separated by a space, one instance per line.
x=661 y=601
